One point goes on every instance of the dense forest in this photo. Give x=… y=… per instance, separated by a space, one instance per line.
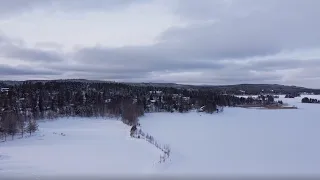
x=25 y=103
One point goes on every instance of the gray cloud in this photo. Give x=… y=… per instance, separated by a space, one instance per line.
x=215 y=31
x=20 y=6
x=282 y=64
x=11 y=49
x=267 y=27
x=236 y=75
x=146 y=58
x=49 y=45
x=4 y=40
x=6 y=70
x=108 y=76
x=204 y=10
x=32 y=55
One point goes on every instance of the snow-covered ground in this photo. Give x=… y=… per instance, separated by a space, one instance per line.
x=238 y=141
x=90 y=147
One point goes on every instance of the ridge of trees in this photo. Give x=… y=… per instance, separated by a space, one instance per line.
x=237 y=89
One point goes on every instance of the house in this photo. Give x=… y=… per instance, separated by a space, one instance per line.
x=219 y=109
x=201 y=109
x=135 y=100
x=4 y=89
x=186 y=98
x=242 y=92
x=151 y=107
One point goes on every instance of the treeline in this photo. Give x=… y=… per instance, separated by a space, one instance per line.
x=22 y=105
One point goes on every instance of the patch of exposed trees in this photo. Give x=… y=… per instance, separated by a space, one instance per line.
x=310 y=100
x=292 y=95
x=22 y=105
x=261 y=100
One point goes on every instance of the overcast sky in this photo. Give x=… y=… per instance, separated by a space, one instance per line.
x=181 y=41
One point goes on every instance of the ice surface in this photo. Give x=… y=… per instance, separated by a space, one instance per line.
x=242 y=141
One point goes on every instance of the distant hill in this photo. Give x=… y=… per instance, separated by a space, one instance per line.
x=241 y=88
x=265 y=88
x=229 y=89
x=12 y=83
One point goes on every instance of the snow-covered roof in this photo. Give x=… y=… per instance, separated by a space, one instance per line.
x=4 y=89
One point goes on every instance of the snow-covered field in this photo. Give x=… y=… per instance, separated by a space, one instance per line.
x=94 y=147
x=236 y=142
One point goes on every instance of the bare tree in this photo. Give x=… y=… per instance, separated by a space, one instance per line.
x=130 y=113
x=22 y=124
x=11 y=123
x=32 y=126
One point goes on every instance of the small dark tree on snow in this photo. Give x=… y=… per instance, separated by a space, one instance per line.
x=22 y=125
x=221 y=109
x=151 y=139
x=133 y=130
x=305 y=100
x=3 y=131
x=210 y=107
x=10 y=123
x=32 y=126
x=270 y=99
x=167 y=150
x=148 y=137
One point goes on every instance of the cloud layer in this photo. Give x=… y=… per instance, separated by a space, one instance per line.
x=22 y=6
x=210 y=42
